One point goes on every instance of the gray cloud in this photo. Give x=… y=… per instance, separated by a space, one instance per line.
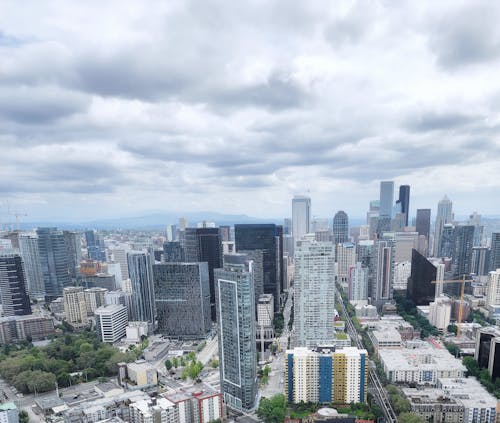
x=439 y=121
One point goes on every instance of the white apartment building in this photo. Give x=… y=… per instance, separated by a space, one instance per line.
x=346 y=259
x=493 y=293
x=440 y=312
x=111 y=322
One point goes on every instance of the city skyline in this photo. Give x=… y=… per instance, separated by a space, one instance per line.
x=243 y=107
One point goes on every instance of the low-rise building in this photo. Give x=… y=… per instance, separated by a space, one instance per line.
x=9 y=413
x=142 y=374
x=434 y=406
x=154 y=410
x=135 y=330
x=21 y=328
x=389 y=338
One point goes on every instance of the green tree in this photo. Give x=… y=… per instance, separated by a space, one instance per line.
x=168 y=365
x=410 y=418
x=23 y=417
x=175 y=362
x=272 y=410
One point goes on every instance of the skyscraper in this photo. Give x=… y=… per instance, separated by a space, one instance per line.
x=173 y=252
x=423 y=223
x=301 y=216
x=386 y=198
x=72 y=240
x=141 y=279
x=462 y=254
x=383 y=271
x=446 y=241
x=495 y=251
x=404 y=200
x=340 y=227
x=420 y=289
x=95 y=246
x=182 y=296
x=346 y=259
x=75 y=307
x=444 y=215
x=235 y=306
x=13 y=295
x=493 y=293
x=54 y=261
x=269 y=239
x=358 y=283
x=28 y=246
x=314 y=297
x=204 y=245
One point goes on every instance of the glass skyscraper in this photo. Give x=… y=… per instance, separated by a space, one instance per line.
x=301 y=216
x=340 y=227
x=13 y=295
x=141 y=280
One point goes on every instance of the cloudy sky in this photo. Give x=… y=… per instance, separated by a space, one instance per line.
x=112 y=109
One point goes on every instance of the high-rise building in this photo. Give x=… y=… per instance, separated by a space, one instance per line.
x=94 y=298
x=28 y=246
x=173 y=252
x=462 y=252
x=119 y=255
x=287 y=226
x=182 y=296
x=314 y=297
x=75 y=307
x=475 y=220
x=225 y=233
x=72 y=241
x=383 y=271
x=495 y=251
x=326 y=375
x=257 y=258
x=423 y=222
x=446 y=241
x=404 y=201
x=301 y=216
x=54 y=261
x=346 y=259
x=141 y=279
x=440 y=312
x=386 y=198
x=340 y=227
x=444 y=215
x=480 y=260
x=13 y=294
x=111 y=322
x=358 y=283
x=204 y=245
x=235 y=305
x=95 y=246
x=493 y=292
x=420 y=288
x=483 y=345
x=267 y=238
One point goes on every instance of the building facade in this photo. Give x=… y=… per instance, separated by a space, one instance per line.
x=13 y=287
x=111 y=322
x=140 y=270
x=301 y=216
x=340 y=227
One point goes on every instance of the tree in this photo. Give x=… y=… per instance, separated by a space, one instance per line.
x=168 y=365
x=410 y=418
x=175 y=362
x=23 y=417
x=272 y=410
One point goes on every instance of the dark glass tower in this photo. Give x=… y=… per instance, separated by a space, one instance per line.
x=462 y=254
x=340 y=227
x=269 y=239
x=495 y=252
x=54 y=261
x=423 y=224
x=14 y=298
x=420 y=289
x=173 y=252
x=204 y=245
x=404 y=200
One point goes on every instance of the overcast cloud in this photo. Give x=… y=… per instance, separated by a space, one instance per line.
x=122 y=108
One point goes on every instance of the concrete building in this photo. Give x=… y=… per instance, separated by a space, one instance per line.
x=440 y=312
x=326 y=375
x=386 y=339
x=493 y=292
x=9 y=413
x=142 y=374
x=94 y=298
x=111 y=322
x=346 y=259
x=301 y=216
x=423 y=365
x=182 y=296
x=382 y=263
x=75 y=307
x=154 y=410
x=434 y=406
x=235 y=305
x=265 y=310
x=136 y=330
x=402 y=272
x=314 y=297
x=21 y=328
x=358 y=283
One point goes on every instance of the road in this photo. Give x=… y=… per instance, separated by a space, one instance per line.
x=376 y=387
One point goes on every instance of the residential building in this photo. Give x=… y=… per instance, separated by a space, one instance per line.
x=382 y=263
x=13 y=287
x=119 y=255
x=182 y=296
x=141 y=278
x=265 y=310
x=111 y=322
x=440 y=312
x=480 y=261
x=25 y=328
x=314 y=296
x=434 y=406
x=154 y=410
x=73 y=243
x=9 y=413
x=235 y=305
x=462 y=252
x=340 y=227
x=75 y=307
x=402 y=272
x=325 y=375
x=386 y=339
x=95 y=246
x=493 y=290
x=94 y=298
x=346 y=259
x=358 y=283
x=301 y=216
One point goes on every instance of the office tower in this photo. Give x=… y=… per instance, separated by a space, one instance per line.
x=268 y=239
x=319 y=224
x=111 y=322
x=225 y=233
x=423 y=223
x=257 y=258
x=301 y=216
x=398 y=223
x=28 y=246
x=483 y=345
x=265 y=310
x=95 y=246
x=358 y=283
x=462 y=252
x=495 y=251
x=446 y=241
x=171 y=233
x=13 y=295
x=475 y=220
x=94 y=298
x=364 y=252
x=72 y=241
x=404 y=243
x=173 y=252
x=235 y=306
x=182 y=296
x=54 y=261
x=480 y=260
x=141 y=280
x=383 y=272
x=420 y=288
x=444 y=215
x=183 y=223
x=287 y=226
x=404 y=201
x=115 y=297
x=493 y=290
x=119 y=255
x=204 y=245
x=75 y=307
x=340 y=227
x=314 y=298
x=372 y=217
x=326 y=375
x=386 y=198
x=346 y=259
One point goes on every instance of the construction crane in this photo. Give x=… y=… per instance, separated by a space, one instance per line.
x=17 y=215
x=462 y=289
